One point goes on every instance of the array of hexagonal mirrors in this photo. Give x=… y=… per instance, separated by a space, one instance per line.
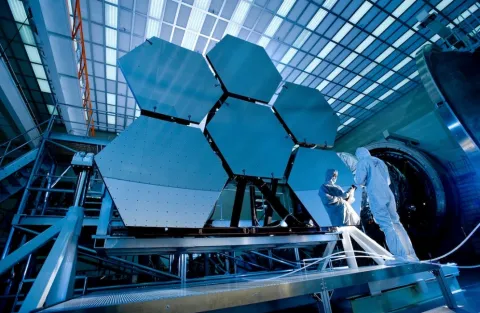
x=162 y=173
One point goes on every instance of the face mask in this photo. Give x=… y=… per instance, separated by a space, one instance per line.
x=334 y=179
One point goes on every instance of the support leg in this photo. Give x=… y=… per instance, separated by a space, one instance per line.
x=327 y=308
x=348 y=248
x=105 y=214
x=328 y=250
x=446 y=292
x=58 y=255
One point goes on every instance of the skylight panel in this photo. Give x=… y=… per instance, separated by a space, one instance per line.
x=313 y=65
x=340 y=93
x=39 y=71
x=285 y=7
x=403 y=7
x=239 y=15
x=385 y=77
x=409 y=33
x=370 y=89
x=342 y=32
x=195 y=21
x=385 y=95
x=331 y=100
x=364 y=45
x=304 y=35
x=345 y=108
x=327 y=49
x=111 y=72
x=51 y=109
x=111 y=13
x=111 y=99
x=189 y=40
x=402 y=64
x=280 y=67
x=383 y=26
x=361 y=11
x=413 y=75
x=466 y=14
x=44 y=86
x=273 y=26
x=357 y=98
x=368 y=69
x=384 y=54
x=156 y=8
x=328 y=4
x=33 y=55
x=349 y=121
x=353 y=81
x=334 y=73
x=401 y=84
x=443 y=4
x=18 y=11
x=435 y=38
x=301 y=78
x=317 y=19
x=111 y=56
x=322 y=85
x=371 y=105
x=26 y=34
x=289 y=55
x=111 y=37
x=349 y=59
x=263 y=41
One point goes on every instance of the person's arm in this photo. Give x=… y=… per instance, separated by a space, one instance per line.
x=327 y=198
x=387 y=173
x=361 y=174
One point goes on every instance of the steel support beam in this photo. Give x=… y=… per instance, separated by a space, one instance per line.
x=105 y=214
x=59 y=261
x=348 y=248
x=30 y=247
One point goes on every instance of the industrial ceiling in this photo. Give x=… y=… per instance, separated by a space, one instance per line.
x=358 y=53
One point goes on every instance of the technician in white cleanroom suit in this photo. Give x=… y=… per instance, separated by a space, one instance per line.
x=373 y=173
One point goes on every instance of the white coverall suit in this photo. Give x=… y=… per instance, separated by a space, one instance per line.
x=373 y=173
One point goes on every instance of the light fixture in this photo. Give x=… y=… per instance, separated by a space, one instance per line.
x=403 y=7
x=285 y=7
x=155 y=9
x=364 y=45
x=44 y=86
x=383 y=26
x=340 y=93
x=342 y=32
x=238 y=17
x=334 y=73
x=361 y=11
x=33 y=55
x=402 y=64
x=313 y=65
x=370 y=88
x=322 y=85
x=409 y=33
x=304 y=35
x=385 y=95
x=189 y=40
x=39 y=71
x=317 y=19
x=357 y=98
x=263 y=41
x=349 y=121
x=111 y=37
x=301 y=78
x=345 y=108
x=328 y=4
x=443 y=4
x=413 y=75
x=353 y=81
x=327 y=49
x=153 y=28
x=349 y=59
x=273 y=26
x=384 y=54
x=368 y=69
x=401 y=84
x=111 y=56
x=289 y=55
x=385 y=77
x=111 y=13
x=111 y=72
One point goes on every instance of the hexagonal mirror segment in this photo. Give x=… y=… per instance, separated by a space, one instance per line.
x=162 y=174
x=251 y=139
x=170 y=80
x=244 y=69
x=308 y=116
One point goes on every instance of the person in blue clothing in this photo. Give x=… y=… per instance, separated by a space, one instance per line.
x=337 y=202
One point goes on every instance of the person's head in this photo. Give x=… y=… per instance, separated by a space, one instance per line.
x=362 y=153
x=331 y=176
